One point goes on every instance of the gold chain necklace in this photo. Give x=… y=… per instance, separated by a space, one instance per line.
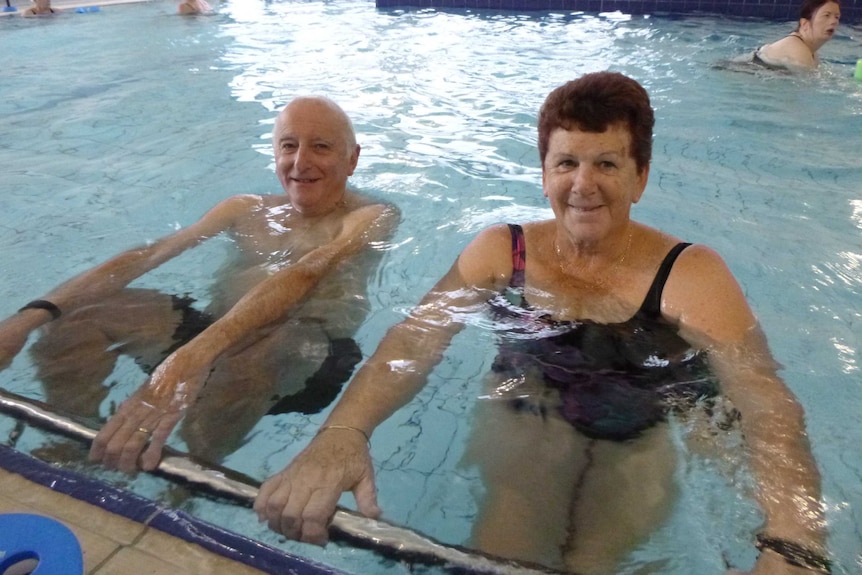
x=601 y=282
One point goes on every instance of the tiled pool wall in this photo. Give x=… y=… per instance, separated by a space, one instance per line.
x=851 y=10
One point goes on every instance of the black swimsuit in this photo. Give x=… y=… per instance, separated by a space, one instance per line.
x=614 y=380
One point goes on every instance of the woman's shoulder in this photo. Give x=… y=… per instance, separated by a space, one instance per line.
x=698 y=271
x=790 y=52
x=691 y=262
x=490 y=237
x=504 y=234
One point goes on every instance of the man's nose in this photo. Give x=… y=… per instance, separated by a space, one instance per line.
x=301 y=158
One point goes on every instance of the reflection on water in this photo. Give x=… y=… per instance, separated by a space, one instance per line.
x=131 y=133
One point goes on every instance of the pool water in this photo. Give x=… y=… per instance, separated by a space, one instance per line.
x=143 y=120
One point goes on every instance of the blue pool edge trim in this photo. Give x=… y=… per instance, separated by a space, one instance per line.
x=171 y=521
x=779 y=10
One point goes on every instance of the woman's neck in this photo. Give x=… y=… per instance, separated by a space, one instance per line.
x=810 y=42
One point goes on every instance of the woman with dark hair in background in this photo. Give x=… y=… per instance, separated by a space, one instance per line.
x=818 y=20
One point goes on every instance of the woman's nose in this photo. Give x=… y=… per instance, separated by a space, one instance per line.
x=583 y=180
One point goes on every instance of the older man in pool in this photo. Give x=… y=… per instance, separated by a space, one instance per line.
x=276 y=335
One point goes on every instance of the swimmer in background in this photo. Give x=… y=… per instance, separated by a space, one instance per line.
x=194 y=7
x=39 y=8
x=818 y=20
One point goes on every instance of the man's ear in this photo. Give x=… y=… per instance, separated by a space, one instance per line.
x=354 y=160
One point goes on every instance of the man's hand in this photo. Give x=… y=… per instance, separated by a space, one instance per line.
x=299 y=502
x=134 y=437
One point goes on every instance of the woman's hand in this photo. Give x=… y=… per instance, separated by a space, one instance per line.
x=299 y=502
x=134 y=437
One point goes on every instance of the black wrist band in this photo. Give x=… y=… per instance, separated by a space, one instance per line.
x=43 y=304
x=795 y=554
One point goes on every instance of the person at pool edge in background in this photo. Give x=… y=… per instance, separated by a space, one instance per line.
x=39 y=8
x=194 y=7
x=286 y=305
x=818 y=20
x=597 y=303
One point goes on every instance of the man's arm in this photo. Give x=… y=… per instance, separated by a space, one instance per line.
x=158 y=405
x=300 y=500
x=713 y=313
x=110 y=277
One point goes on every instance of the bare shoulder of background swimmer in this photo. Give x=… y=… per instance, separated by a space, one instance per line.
x=790 y=51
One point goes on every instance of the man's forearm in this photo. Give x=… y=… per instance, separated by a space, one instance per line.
x=271 y=301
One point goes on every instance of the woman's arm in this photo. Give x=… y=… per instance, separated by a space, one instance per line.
x=712 y=312
x=300 y=500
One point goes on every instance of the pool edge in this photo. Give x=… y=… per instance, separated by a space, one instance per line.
x=171 y=521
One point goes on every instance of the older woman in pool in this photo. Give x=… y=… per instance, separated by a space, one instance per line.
x=612 y=322
x=818 y=20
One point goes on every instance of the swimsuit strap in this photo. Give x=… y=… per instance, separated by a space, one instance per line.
x=519 y=256
x=651 y=307
x=796 y=35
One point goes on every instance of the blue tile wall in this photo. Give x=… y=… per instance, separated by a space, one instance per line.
x=851 y=10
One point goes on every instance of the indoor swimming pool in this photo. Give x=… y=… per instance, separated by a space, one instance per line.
x=122 y=125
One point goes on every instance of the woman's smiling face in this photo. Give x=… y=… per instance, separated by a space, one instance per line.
x=592 y=180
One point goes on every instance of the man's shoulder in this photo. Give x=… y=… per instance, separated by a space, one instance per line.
x=252 y=201
x=234 y=208
x=354 y=199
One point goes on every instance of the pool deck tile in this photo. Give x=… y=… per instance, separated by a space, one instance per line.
x=112 y=544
